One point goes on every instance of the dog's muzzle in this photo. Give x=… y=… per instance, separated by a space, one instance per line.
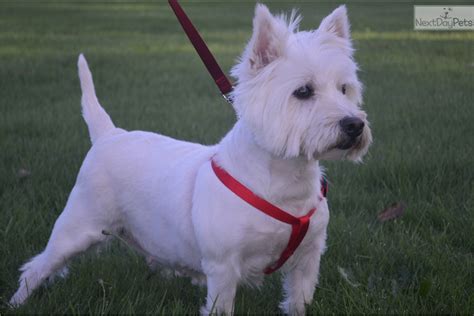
x=352 y=127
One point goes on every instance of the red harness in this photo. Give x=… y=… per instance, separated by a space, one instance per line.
x=299 y=225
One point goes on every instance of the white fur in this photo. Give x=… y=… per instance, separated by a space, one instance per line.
x=163 y=197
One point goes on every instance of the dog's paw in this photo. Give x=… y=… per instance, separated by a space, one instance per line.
x=18 y=299
x=204 y=311
x=293 y=308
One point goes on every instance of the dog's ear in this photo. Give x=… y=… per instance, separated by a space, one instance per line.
x=337 y=23
x=268 y=38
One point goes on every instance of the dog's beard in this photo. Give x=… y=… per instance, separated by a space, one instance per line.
x=348 y=143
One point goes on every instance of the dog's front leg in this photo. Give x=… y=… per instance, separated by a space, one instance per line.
x=301 y=279
x=221 y=288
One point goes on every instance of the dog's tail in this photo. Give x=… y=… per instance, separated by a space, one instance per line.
x=98 y=121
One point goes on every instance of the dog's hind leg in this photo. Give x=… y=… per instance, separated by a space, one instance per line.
x=77 y=228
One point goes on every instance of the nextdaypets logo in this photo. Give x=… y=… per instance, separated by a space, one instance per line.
x=446 y=12
x=451 y=18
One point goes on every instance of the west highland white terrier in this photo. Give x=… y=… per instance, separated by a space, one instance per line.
x=297 y=99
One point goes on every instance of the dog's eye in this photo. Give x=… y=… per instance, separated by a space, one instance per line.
x=304 y=92
x=343 y=89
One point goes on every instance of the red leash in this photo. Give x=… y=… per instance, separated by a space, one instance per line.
x=299 y=225
x=207 y=58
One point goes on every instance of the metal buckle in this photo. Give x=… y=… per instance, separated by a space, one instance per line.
x=228 y=98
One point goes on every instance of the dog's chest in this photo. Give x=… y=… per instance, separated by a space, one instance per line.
x=231 y=231
x=272 y=234
x=265 y=239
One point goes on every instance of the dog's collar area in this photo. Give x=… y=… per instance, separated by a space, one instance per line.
x=299 y=225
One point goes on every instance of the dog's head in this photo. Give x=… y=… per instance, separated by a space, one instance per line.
x=299 y=91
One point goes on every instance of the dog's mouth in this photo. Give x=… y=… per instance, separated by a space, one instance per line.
x=348 y=143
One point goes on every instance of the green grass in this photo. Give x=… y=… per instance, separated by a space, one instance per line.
x=419 y=96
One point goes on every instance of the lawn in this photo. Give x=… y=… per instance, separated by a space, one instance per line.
x=418 y=94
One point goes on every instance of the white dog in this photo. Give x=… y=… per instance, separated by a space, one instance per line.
x=297 y=99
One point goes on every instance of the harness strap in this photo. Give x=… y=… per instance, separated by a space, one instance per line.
x=299 y=225
x=201 y=48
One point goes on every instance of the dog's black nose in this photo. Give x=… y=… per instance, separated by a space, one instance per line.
x=352 y=126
